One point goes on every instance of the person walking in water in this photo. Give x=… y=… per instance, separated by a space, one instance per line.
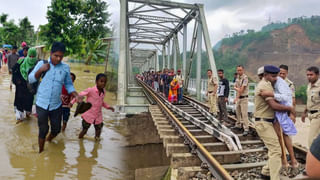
x=66 y=103
x=48 y=103
x=23 y=99
x=95 y=96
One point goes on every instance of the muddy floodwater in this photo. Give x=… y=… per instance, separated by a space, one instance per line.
x=66 y=157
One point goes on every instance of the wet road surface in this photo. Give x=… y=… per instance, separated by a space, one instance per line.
x=66 y=157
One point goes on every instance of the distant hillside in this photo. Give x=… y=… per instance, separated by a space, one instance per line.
x=295 y=43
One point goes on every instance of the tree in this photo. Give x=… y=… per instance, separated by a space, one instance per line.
x=14 y=34
x=96 y=50
x=94 y=19
x=26 y=31
x=76 y=23
x=62 y=17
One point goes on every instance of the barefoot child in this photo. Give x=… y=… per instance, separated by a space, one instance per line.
x=66 y=105
x=283 y=94
x=95 y=95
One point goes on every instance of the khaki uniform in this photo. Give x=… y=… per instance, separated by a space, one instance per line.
x=291 y=86
x=313 y=104
x=266 y=131
x=242 y=103
x=212 y=95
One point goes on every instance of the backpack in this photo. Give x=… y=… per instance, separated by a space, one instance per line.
x=16 y=75
x=33 y=87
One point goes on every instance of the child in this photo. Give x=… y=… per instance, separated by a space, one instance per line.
x=95 y=95
x=66 y=105
x=283 y=94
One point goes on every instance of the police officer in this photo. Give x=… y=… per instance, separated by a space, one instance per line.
x=260 y=72
x=241 y=101
x=212 y=92
x=264 y=118
x=284 y=75
x=313 y=103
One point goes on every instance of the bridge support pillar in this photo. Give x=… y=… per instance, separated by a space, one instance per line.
x=199 y=51
x=168 y=55
x=184 y=57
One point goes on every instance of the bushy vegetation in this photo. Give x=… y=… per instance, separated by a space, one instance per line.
x=245 y=38
x=79 y=24
x=301 y=93
x=13 y=34
x=310 y=25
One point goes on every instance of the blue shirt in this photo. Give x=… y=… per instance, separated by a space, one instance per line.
x=20 y=52
x=49 y=90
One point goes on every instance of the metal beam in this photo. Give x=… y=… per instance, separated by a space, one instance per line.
x=174 y=52
x=185 y=20
x=168 y=56
x=207 y=42
x=133 y=10
x=163 y=57
x=166 y=12
x=150 y=28
x=184 y=49
x=146 y=42
x=154 y=18
x=165 y=3
x=199 y=52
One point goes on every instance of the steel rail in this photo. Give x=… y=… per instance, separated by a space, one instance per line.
x=213 y=165
x=215 y=128
x=297 y=148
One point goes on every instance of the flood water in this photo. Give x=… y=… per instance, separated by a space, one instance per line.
x=66 y=157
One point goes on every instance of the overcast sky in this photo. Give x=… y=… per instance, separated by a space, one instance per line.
x=223 y=16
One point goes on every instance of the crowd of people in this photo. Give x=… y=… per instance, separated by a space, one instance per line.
x=166 y=82
x=274 y=114
x=48 y=85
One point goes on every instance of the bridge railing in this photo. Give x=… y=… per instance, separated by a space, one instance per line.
x=231 y=106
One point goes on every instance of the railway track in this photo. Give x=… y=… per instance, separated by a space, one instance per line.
x=201 y=147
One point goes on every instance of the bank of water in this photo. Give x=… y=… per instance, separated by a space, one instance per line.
x=67 y=157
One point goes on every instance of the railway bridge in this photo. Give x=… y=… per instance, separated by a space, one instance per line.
x=151 y=34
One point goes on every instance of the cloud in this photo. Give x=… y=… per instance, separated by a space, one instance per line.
x=35 y=10
x=223 y=16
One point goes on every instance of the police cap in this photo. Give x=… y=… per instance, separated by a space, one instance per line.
x=271 y=69
x=260 y=70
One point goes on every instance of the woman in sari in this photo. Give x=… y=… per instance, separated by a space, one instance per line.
x=173 y=91
x=23 y=97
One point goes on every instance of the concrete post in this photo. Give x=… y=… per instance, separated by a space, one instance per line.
x=122 y=76
x=174 y=52
x=207 y=41
x=168 y=55
x=199 y=51
x=184 y=56
x=129 y=69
